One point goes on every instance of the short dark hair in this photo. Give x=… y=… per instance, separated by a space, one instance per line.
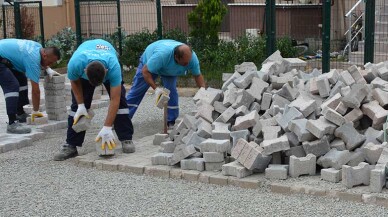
x=96 y=73
x=55 y=51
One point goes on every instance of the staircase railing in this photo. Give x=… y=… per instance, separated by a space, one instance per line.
x=348 y=33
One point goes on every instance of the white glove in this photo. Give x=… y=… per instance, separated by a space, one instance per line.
x=107 y=137
x=81 y=111
x=158 y=93
x=51 y=72
x=36 y=114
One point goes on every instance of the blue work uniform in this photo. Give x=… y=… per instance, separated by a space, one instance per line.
x=19 y=60
x=103 y=52
x=160 y=61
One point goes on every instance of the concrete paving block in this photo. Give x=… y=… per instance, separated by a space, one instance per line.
x=377 y=178
x=244 y=67
x=255 y=159
x=37 y=121
x=347 y=78
x=242 y=110
x=379 y=83
x=168 y=147
x=230 y=80
x=334 y=159
x=336 y=88
x=320 y=127
x=318 y=147
x=161 y=158
x=323 y=86
x=289 y=115
x=255 y=106
x=159 y=138
x=331 y=175
x=354 y=98
x=213 y=157
x=190 y=175
x=350 y=136
x=333 y=76
x=266 y=101
x=244 y=80
x=276 y=171
x=243 y=98
x=209 y=95
x=338 y=144
x=275 y=145
x=257 y=88
x=356 y=158
x=193 y=164
x=84 y=123
x=354 y=115
x=333 y=116
x=193 y=139
x=279 y=101
x=356 y=74
x=313 y=87
x=341 y=108
x=212 y=145
x=302 y=165
x=375 y=112
x=373 y=136
x=238 y=147
x=235 y=169
x=217 y=166
x=236 y=135
x=292 y=138
x=288 y=92
x=204 y=129
x=246 y=121
x=296 y=151
x=279 y=82
x=230 y=96
x=358 y=175
x=205 y=111
x=181 y=152
x=299 y=128
x=219 y=107
x=372 y=152
x=220 y=130
x=305 y=105
x=383 y=157
x=381 y=96
x=331 y=102
x=271 y=132
x=226 y=115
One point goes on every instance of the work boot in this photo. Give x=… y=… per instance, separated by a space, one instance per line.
x=22 y=118
x=66 y=152
x=18 y=128
x=128 y=146
x=170 y=125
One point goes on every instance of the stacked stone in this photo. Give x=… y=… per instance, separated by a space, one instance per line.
x=55 y=97
x=288 y=119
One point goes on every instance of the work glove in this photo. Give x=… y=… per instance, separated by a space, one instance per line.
x=107 y=137
x=81 y=111
x=158 y=94
x=51 y=72
x=36 y=114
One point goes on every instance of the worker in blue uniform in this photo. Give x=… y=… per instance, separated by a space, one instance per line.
x=94 y=63
x=21 y=60
x=167 y=59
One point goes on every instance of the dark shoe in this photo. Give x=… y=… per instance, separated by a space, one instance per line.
x=170 y=125
x=22 y=118
x=18 y=128
x=128 y=146
x=66 y=152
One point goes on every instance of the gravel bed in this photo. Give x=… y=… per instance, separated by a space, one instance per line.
x=34 y=185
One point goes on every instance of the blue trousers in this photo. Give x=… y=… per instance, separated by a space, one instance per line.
x=122 y=124
x=14 y=85
x=140 y=87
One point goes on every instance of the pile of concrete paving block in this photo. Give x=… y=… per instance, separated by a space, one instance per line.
x=55 y=97
x=285 y=122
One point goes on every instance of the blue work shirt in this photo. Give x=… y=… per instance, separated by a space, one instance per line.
x=159 y=58
x=24 y=56
x=95 y=50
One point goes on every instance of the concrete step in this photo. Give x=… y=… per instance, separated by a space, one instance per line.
x=358 y=57
x=380 y=46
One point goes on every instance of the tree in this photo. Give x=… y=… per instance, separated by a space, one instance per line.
x=205 y=22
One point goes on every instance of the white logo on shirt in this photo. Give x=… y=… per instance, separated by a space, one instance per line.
x=102 y=47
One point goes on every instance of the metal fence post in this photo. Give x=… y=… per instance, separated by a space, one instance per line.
x=18 y=21
x=270 y=23
x=119 y=37
x=4 y=23
x=159 y=19
x=77 y=22
x=370 y=8
x=41 y=23
x=326 y=36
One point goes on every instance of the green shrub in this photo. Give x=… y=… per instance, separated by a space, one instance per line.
x=284 y=45
x=205 y=22
x=175 y=34
x=65 y=41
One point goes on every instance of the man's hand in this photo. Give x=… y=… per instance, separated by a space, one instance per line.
x=36 y=114
x=107 y=137
x=158 y=94
x=51 y=72
x=81 y=111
